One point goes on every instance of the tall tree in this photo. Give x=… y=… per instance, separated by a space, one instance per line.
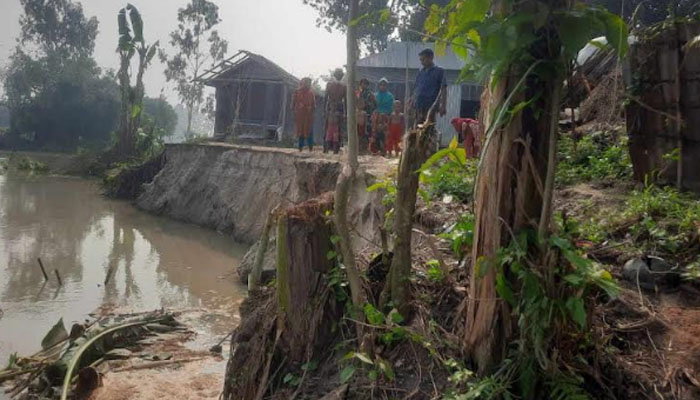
x=131 y=42
x=198 y=45
x=525 y=49
x=379 y=20
x=53 y=88
x=58 y=28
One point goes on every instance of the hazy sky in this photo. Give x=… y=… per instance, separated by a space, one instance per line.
x=282 y=30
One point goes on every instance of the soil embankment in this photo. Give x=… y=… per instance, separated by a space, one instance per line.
x=232 y=188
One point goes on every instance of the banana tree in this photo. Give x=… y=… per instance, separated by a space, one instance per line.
x=131 y=42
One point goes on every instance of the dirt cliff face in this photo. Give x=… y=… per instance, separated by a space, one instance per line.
x=232 y=188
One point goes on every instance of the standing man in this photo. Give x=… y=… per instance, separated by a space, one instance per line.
x=430 y=83
x=335 y=112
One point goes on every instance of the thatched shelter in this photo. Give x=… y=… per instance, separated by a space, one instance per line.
x=253 y=97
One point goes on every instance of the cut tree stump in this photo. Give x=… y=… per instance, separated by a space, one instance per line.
x=303 y=243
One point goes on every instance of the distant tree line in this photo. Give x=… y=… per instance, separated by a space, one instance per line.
x=56 y=95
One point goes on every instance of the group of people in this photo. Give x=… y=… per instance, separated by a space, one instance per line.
x=380 y=117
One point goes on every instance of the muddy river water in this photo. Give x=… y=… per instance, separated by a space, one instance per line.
x=154 y=262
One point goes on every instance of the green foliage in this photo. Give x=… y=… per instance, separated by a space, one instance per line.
x=466 y=387
x=461 y=235
x=28 y=165
x=378 y=20
x=551 y=306
x=337 y=276
x=291 y=379
x=493 y=42
x=435 y=273
x=58 y=28
x=159 y=116
x=597 y=156
x=131 y=139
x=666 y=219
x=448 y=172
x=375 y=368
x=654 y=220
x=692 y=270
x=56 y=95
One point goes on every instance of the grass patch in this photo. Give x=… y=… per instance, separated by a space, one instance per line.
x=600 y=155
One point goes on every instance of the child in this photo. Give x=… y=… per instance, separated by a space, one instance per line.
x=361 y=125
x=380 y=125
x=468 y=130
x=333 y=132
x=393 y=141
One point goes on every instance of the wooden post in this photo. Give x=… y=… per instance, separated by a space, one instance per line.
x=43 y=271
x=284 y=111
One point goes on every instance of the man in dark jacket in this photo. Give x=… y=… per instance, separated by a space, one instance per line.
x=430 y=86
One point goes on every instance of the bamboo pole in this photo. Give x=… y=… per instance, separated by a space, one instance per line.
x=43 y=271
x=58 y=277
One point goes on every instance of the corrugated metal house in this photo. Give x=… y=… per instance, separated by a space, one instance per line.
x=253 y=97
x=392 y=64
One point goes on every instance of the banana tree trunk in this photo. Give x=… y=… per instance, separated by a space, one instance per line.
x=124 y=137
x=513 y=192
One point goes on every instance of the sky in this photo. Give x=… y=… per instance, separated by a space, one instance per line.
x=282 y=30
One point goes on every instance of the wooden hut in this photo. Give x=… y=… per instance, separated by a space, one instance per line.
x=400 y=62
x=253 y=97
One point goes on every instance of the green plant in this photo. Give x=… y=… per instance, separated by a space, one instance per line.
x=597 y=156
x=337 y=277
x=550 y=301
x=26 y=164
x=692 y=270
x=375 y=367
x=435 y=273
x=448 y=172
x=461 y=235
x=12 y=361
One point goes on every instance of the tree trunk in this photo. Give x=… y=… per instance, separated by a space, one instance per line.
x=256 y=272
x=350 y=176
x=303 y=242
x=188 y=133
x=515 y=181
x=350 y=95
x=417 y=148
x=124 y=137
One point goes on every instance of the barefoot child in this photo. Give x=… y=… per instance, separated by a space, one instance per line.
x=393 y=141
x=361 y=125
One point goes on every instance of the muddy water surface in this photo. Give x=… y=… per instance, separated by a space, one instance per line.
x=155 y=262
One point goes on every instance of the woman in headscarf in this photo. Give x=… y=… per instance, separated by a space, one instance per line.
x=303 y=104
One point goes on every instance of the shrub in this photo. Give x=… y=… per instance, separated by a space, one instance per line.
x=597 y=156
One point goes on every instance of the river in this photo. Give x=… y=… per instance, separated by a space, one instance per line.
x=156 y=262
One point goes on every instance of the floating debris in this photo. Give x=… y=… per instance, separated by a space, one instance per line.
x=74 y=363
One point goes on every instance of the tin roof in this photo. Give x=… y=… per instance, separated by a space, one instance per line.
x=238 y=67
x=395 y=57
